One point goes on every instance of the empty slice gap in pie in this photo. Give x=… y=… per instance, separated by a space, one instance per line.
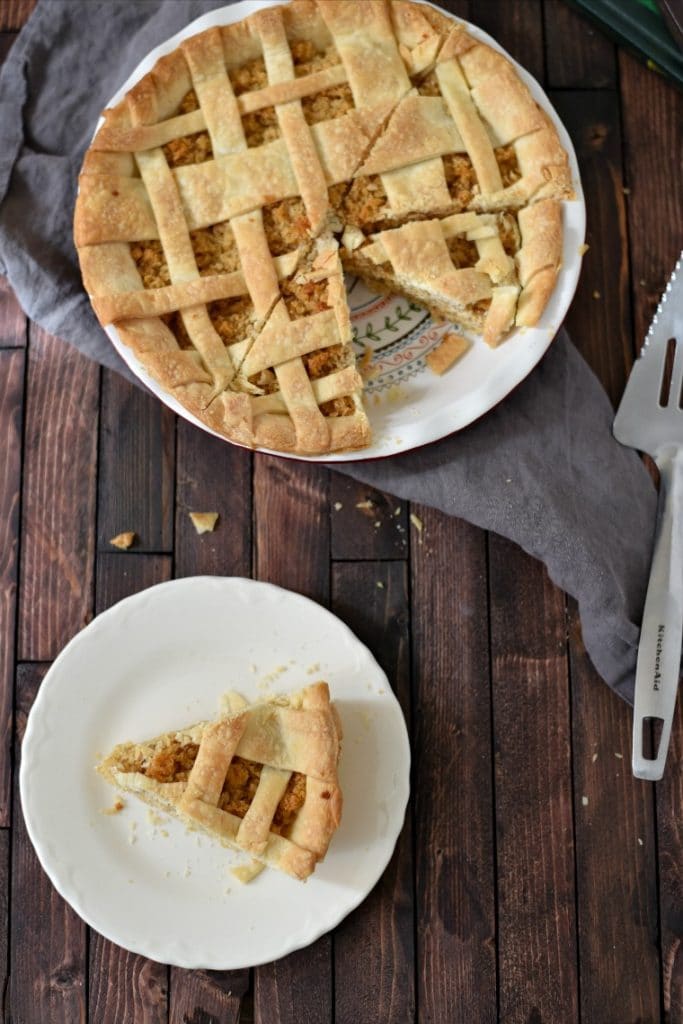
x=262 y=778
x=223 y=197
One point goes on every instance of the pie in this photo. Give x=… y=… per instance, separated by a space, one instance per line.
x=224 y=196
x=262 y=778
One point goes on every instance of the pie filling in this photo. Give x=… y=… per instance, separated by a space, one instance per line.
x=360 y=209
x=173 y=761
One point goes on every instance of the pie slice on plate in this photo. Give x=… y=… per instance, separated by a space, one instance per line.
x=262 y=779
x=221 y=199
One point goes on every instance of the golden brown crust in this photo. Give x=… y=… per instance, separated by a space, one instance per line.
x=389 y=101
x=288 y=739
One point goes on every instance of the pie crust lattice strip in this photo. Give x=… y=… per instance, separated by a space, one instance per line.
x=262 y=779
x=222 y=198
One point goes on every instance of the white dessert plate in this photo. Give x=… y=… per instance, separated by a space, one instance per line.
x=160 y=660
x=406 y=403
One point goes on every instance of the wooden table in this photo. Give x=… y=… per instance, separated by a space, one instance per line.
x=535 y=881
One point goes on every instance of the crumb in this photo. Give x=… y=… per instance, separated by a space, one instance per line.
x=584 y=801
x=640 y=841
x=377 y=523
x=620 y=756
x=365 y=506
x=123 y=540
x=397 y=511
x=583 y=249
x=396 y=394
x=363 y=365
x=167 y=874
x=626 y=191
x=204 y=522
x=253 y=668
x=380 y=585
x=642 y=283
x=246 y=873
x=131 y=881
x=597 y=295
x=594 y=758
x=508 y=480
x=338 y=506
x=381 y=691
x=115 y=808
x=155 y=819
x=417 y=522
x=163 y=832
x=312 y=669
x=451 y=347
x=188 y=871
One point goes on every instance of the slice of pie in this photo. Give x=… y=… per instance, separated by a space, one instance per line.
x=223 y=197
x=262 y=779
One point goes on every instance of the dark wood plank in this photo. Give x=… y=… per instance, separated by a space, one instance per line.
x=599 y=320
x=15 y=13
x=652 y=109
x=292 y=549
x=669 y=801
x=452 y=785
x=296 y=988
x=374 y=948
x=12 y=365
x=48 y=939
x=5 y=883
x=518 y=27
x=119 y=576
x=578 y=55
x=123 y=986
x=292 y=530
x=12 y=319
x=58 y=507
x=533 y=791
x=366 y=523
x=136 y=464
x=615 y=856
x=205 y=997
x=212 y=476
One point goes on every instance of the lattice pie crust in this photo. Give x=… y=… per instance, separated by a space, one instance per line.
x=262 y=779
x=221 y=199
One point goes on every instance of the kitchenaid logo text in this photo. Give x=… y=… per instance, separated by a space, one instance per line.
x=658 y=655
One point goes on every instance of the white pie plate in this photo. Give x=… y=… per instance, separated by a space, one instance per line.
x=408 y=405
x=162 y=659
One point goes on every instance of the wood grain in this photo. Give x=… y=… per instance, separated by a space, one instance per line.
x=578 y=55
x=669 y=801
x=374 y=948
x=12 y=318
x=292 y=549
x=452 y=791
x=5 y=884
x=615 y=856
x=652 y=113
x=123 y=986
x=652 y=116
x=533 y=791
x=58 y=508
x=517 y=27
x=11 y=408
x=205 y=997
x=292 y=528
x=15 y=13
x=599 y=319
x=212 y=476
x=365 y=523
x=136 y=465
x=48 y=950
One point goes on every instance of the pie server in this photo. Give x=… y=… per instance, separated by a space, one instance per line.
x=651 y=419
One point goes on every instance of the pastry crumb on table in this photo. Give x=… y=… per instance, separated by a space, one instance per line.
x=204 y=522
x=451 y=347
x=123 y=540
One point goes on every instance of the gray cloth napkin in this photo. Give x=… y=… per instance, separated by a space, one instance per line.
x=541 y=469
